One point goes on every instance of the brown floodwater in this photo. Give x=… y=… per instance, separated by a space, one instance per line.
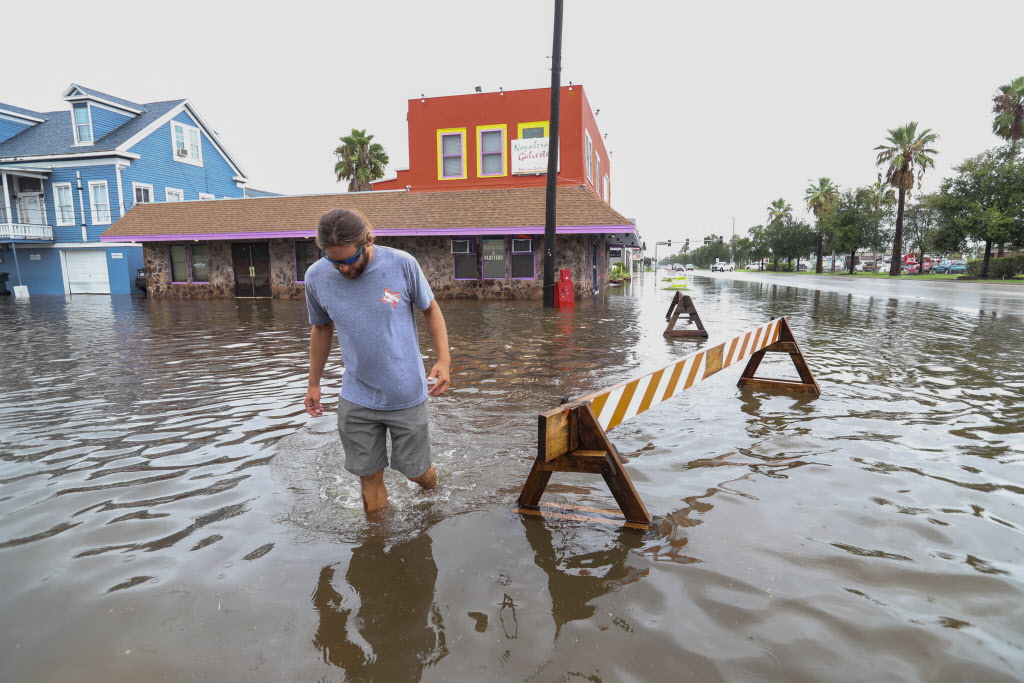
x=169 y=512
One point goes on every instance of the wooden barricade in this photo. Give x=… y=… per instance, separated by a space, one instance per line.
x=573 y=438
x=682 y=304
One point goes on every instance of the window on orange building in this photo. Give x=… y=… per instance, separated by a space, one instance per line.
x=600 y=178
x=452 y=144
x=588 y=151
x=536 y=129
x=492 y=151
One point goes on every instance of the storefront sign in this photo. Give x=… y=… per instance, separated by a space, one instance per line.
x=530 y=156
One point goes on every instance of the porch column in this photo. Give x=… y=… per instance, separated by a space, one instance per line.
x=17 y=270
x=7 y=201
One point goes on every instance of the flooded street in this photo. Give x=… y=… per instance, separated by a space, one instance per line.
x=168 y=511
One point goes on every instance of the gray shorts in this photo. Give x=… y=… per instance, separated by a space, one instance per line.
x=363 y=430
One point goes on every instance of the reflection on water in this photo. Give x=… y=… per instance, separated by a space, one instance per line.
x=169 y=509
x=385 y=627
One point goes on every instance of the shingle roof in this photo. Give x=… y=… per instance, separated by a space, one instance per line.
x=386 y=211
x=54 y=136
x=21 y=110
x=108 y=98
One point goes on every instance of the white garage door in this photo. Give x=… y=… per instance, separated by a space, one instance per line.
x=87 y=271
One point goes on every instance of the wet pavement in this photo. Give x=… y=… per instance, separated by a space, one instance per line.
x=169 y=512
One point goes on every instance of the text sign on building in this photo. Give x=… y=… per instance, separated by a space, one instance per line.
x=530 y=155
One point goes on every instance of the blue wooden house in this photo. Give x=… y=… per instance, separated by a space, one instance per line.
x=68 y=175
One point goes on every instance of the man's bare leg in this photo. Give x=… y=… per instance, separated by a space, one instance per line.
x=375 y=494
x=427 y=480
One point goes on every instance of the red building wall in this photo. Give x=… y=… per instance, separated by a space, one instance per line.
x=428 y=116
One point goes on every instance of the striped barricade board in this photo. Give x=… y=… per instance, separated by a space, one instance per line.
x=572 y=438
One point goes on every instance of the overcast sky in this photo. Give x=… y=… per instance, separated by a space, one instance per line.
x=711 y=109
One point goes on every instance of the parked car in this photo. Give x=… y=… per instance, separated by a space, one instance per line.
x=722 y=266
x=690 y=266
x=754 y=265
x=865 y=267
x=951 y=267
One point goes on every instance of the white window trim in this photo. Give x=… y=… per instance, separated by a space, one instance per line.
x=174 y=189
x=607 y=189
x=74 y=126
x=152 y=193
x=174 y=148
x=56 y=204
x=206 y=195
x=588 y=149
x=92 y=211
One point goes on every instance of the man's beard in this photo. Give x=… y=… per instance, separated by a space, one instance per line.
x=356 y=270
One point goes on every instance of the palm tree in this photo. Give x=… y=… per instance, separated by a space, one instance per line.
x=359 y=161
x=1008 y=107
x=1008 y=122
x=820 y=199
x=907 y=150
x=778 y=210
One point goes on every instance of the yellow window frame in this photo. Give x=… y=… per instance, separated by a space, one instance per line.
x=480 y=130
x=440 y=158
x=534 y=124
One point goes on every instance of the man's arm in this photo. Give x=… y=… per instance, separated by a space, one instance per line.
x=320 y=339
x=438 y=332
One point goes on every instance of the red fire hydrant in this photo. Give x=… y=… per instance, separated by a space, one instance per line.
x=565 y=296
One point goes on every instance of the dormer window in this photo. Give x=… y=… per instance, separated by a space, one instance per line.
x=187 y=144
x=82 y=123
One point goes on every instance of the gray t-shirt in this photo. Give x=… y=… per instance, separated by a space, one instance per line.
x=376 y=325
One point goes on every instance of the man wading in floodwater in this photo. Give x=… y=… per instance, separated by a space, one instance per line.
x=368 y=292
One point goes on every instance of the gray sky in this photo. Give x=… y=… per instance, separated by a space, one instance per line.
x=712 y=110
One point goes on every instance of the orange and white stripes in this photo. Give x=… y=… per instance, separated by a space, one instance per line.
x=628 y=399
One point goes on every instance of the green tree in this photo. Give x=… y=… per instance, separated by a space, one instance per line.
x=921 y=228
x=984 y=202
x=1008 y=107
x=742 y=250
x=759 y=247
x=360 y=160
x=820 y=199
x=854 y=222
x=906 y=152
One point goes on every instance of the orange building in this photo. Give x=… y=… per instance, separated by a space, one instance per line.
x=500 y=140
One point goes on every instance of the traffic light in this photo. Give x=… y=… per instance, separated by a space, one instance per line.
x=687 y=245
x=719 y=239
x=670 y=243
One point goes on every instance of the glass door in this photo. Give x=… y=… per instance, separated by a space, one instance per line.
x=252 y=269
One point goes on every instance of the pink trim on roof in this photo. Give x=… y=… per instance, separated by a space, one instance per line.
x=385 y=232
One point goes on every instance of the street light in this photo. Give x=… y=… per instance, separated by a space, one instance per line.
x=656 y=244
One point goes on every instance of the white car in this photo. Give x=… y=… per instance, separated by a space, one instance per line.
x=721 y=267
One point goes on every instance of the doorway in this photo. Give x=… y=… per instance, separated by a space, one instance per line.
x=252 y=269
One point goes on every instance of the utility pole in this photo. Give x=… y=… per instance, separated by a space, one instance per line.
x=552 y=179
x=732 y=244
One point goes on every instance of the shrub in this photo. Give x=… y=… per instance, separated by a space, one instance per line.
x=1003 y=268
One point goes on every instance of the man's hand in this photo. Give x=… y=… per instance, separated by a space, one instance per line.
x=442 y=374
x=313 y=406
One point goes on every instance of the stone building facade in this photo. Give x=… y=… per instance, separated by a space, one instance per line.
x=584 y=255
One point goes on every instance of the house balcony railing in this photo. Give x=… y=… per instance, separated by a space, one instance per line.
x=25 y=231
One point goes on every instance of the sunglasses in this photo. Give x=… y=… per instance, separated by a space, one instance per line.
x=345 y=261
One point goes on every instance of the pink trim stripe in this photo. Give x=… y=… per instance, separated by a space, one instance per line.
x=384 y=232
